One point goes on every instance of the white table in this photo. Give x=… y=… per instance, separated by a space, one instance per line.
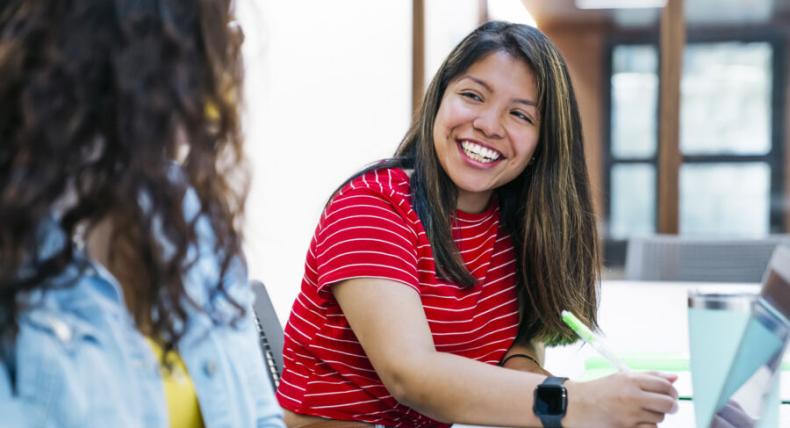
x=684 y=418
x=648 y=318
x=638 y=318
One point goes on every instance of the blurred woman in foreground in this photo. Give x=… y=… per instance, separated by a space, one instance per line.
x=123 y=294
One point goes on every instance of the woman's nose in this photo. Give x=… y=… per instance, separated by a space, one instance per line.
x=489 y=124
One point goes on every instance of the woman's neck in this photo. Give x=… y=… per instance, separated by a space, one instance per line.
x=472 y=202
x=98 y=244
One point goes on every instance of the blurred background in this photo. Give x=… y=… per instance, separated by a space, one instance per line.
x=683 y=103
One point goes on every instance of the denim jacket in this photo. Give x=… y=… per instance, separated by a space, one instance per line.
x=79 y=362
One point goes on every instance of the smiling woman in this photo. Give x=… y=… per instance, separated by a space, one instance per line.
x=430 y=269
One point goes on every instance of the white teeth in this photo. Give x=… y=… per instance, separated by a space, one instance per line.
x=479 y=153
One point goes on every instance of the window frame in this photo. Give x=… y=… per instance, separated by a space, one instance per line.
x=614 y=249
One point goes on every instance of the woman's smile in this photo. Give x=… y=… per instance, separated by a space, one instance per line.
x=479 y=154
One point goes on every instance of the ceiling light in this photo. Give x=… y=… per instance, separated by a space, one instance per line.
x=620 y=4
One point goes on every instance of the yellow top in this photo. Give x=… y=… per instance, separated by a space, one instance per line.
x=182 y=402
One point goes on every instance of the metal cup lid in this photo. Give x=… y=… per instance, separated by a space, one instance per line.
x=736 y=301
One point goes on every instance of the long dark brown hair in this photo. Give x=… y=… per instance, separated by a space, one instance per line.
x=547 y=209
x=99 y=97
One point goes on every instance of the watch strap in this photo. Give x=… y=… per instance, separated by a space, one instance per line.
x=554 y=380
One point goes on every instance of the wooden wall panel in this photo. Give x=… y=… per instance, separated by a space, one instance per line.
x=418 y=54
x=583 y=46
x=673 y=39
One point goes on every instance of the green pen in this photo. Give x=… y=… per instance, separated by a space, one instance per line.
x=593 y=340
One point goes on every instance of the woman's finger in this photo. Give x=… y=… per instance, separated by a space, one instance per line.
x=657 y=384
x=660 y=403
x=671 y=377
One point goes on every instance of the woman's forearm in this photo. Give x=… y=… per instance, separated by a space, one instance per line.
x=389 y=322
x=454 y=389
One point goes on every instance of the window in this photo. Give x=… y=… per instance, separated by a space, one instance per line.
x=634 y=136
x=730 y=147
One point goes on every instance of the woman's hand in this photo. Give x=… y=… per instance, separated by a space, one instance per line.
x=621 y=400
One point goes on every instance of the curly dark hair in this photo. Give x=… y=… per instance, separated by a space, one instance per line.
x=99 y=97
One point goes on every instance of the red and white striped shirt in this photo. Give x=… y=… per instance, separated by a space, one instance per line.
x=370 y=229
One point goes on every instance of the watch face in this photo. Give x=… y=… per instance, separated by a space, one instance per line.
x=550 y=400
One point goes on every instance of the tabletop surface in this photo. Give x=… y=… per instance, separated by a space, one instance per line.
x=650 y=319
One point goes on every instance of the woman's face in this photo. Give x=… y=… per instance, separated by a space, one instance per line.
x=487 y=127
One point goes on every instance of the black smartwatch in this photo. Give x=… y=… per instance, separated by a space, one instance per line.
x=551 y=401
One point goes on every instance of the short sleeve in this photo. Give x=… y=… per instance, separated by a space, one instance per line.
x=363 y=235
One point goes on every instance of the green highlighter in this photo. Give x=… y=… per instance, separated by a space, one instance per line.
x=593 y=340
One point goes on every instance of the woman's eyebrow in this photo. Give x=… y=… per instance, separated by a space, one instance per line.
x=478 y=81
x=525 y=101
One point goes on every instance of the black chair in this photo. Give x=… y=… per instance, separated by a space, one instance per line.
x=270 y=331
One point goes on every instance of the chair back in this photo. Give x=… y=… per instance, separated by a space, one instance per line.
x=678 y=258
x=270 y=332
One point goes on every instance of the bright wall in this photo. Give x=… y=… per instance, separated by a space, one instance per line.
x=328 y=89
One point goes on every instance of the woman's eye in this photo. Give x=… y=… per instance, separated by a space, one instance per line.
x=522 y=116
x=471 y=96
